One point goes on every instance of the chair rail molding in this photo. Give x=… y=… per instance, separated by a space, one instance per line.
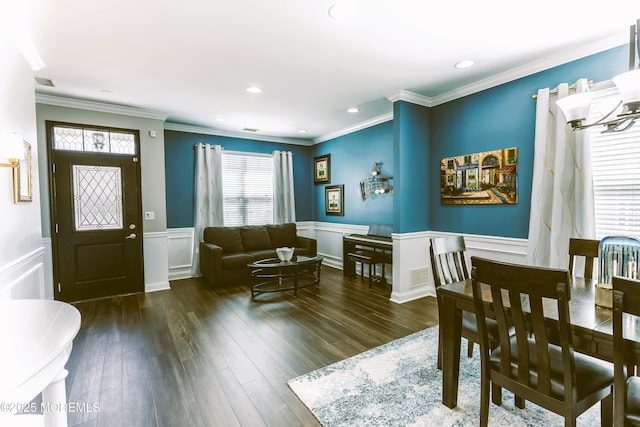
x=24 y=277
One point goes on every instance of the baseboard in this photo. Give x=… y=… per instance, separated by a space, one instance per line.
x=158 y=286
x=416 y=293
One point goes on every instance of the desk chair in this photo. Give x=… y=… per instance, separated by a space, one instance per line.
x=448 y=265
x=526 y=363
x=626 y=386
x=587 y=248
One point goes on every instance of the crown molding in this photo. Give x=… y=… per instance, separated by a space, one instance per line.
x=99 y=106
x=543 y=64
x=217 y=132
x=359 y=126
x=414 y=98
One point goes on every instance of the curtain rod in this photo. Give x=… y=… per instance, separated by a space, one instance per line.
x=202 y=145
x=555 y=91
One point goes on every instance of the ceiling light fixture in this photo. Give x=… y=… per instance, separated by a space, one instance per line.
x=353 y=110
x=339 y=11
x=254 y=89
x=303 y=131
x=218 y=119
x=466 y=63
x=576 y=107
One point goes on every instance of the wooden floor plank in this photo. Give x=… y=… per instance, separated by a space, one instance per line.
x=200 y=356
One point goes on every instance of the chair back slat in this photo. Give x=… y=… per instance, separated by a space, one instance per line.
x=448 y=260
x=533 y=294
x=588 y=248
x=626 y=299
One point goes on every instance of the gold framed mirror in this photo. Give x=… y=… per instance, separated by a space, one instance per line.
x=22 y=174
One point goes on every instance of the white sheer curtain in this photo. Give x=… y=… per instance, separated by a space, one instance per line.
x=209 y=196
x=284 y=206
x=562 y=189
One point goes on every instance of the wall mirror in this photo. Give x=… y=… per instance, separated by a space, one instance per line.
x=22 y=177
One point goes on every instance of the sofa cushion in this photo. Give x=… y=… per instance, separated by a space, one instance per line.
x=255 y=237
x=282 y=235
x=263 y=254
x=228 y=238
x=236 y=261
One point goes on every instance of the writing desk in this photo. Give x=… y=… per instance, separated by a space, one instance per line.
x=591 y=325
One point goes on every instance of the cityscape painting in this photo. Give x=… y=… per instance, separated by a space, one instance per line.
x=488 y=178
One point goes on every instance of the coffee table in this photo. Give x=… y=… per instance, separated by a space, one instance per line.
x=273 y=275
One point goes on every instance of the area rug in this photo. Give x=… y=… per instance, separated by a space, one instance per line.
x=399 y=384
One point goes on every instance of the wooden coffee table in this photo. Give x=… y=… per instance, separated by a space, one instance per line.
x=273 y=275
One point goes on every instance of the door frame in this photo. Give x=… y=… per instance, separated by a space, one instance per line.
x=53 y=212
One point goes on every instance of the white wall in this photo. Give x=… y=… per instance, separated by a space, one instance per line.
x=22 y=256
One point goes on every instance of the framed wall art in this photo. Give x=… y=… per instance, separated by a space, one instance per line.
x=334 y=200
x=487 y=178
x=22 y=177
x=322 y=169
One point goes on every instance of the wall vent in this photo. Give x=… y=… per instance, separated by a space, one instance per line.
x=419 y=277
x=44 y=82
x=250 y=130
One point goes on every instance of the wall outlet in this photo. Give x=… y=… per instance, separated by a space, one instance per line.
x=149 y=215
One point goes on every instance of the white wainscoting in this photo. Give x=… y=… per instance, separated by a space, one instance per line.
x=413 y=266
x=25 y=277
x=180 y=242
x=411 y=273
x=156 y=261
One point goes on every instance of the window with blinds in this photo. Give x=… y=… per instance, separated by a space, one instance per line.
x=247 y=180
x=616 y=173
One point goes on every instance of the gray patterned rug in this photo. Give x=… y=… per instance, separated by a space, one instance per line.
x=398 y=384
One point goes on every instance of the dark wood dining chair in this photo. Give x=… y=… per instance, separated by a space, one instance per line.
x=550 y=375
x=626 y=386
x=587 y=248
x=449 y=265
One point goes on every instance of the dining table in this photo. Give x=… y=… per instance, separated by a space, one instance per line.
x=591 y=326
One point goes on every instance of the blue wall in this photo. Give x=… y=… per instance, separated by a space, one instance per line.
x=352 y=158
x=180 y=172
x=413 y=145
x=411 y=160
x=496 y=118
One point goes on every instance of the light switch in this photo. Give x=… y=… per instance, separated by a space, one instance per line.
x=149 y=215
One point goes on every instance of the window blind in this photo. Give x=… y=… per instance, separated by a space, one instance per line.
x=616 y=172
x=247 y=180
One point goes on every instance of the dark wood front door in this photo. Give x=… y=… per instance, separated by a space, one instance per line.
x=96 y=215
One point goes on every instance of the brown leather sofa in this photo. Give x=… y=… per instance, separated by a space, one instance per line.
x=226 y=251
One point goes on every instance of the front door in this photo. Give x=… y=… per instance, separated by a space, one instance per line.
x=96 y=215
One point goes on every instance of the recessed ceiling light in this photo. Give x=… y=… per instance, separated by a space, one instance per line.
x=254 y=89
x=218 y=119
x=303 y=131
x=340 y=11
x=465 y=63
x=353 y=110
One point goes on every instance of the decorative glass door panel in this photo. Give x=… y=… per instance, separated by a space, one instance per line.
x=97 y=197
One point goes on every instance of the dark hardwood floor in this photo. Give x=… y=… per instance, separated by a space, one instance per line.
x=198 y=356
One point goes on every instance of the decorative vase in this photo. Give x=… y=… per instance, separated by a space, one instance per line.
x=284 y=254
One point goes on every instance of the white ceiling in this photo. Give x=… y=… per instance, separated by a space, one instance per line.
x=193 y=59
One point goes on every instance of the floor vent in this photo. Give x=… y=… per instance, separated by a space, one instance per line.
x=419 y=277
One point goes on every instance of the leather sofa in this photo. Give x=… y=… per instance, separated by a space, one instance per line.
x=226 y=251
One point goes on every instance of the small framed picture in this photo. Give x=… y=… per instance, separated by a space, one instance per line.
x=322 y=169
x=334 y=200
